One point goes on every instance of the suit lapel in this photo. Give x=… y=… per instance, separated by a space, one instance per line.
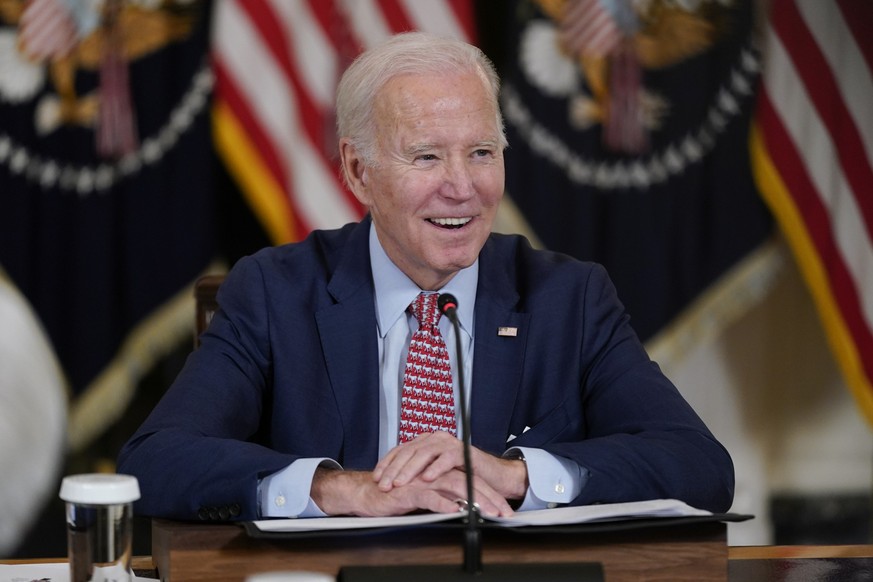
x=498 y=359
x=348 y=338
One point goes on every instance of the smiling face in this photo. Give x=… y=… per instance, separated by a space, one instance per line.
x=437 y=178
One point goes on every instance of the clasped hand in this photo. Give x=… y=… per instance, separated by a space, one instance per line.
x=426 y=473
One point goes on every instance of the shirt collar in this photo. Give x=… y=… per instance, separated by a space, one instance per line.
x=395 y=291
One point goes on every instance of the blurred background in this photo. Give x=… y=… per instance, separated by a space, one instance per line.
x=715 y=155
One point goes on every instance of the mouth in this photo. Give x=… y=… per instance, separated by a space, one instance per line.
x=450 y=223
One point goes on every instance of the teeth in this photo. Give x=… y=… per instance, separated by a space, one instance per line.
x=451 y=221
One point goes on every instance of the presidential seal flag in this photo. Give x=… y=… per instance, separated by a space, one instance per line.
x=813 y=156
x=628 y=146
x=106 y=199
x=277 y=64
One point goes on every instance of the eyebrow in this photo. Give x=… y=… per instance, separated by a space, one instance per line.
x=419 y=148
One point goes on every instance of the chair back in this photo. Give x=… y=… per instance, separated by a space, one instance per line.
x=205 y=291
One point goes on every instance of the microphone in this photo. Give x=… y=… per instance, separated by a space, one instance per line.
x=448 y=305
x=504 y=572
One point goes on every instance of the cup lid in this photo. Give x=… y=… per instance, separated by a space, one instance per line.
x=99 y=488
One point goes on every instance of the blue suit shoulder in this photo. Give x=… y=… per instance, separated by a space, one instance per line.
x=534 y=272
x=309 y=264
x=319 y=246
x=515 y=249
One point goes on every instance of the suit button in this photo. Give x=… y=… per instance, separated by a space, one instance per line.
x=203 y=513
x=223 y=512
x=235 y=510
x=213 y=514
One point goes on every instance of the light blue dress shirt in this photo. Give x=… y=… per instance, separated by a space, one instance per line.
x=553 y=480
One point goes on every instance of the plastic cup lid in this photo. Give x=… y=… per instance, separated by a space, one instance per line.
x=100 y=489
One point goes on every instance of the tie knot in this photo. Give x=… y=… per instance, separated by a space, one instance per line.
x=425 y=310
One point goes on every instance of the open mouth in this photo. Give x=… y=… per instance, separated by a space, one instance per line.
x=450 y=223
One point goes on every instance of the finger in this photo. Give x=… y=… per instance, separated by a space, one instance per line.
x=383 y=462
x=436 y=502
x=435 y=455
x=416 y=496
x=412 y=459
x=406 y=462
x=400 y=457
x=448 y=454
x=402 y=450
x=386 y=461
x=490 y=502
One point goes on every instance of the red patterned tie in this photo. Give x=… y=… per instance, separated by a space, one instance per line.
x=428 y=401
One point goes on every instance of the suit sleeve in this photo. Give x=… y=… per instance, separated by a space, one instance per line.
x=639 y=438
x=194 y=456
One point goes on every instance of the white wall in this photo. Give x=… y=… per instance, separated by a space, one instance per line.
x=770 y=390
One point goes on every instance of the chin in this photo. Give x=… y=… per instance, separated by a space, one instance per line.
x=456 y=265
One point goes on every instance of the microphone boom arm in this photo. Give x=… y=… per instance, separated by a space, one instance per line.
x=472 y=534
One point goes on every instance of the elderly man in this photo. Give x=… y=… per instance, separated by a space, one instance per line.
x=324 y=385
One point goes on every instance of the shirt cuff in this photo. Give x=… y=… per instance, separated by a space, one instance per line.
x=553 y=480
x=286 y=492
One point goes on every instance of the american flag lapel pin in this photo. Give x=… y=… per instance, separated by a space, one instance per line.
x=505 y=331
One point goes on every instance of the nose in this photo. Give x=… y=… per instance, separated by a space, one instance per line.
x=458 y=183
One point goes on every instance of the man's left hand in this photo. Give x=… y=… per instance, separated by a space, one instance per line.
x=431 y=455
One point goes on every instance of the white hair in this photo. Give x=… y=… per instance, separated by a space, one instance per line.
x=409 y=53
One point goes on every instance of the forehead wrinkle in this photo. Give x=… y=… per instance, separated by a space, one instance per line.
x=399 y=108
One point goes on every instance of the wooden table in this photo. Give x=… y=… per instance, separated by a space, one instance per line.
x=800 y=563
x=744 y=563
x=189 y=552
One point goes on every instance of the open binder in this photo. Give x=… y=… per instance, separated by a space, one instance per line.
x=601 y=517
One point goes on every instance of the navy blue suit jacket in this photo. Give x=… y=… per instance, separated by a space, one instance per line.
x=288 y=369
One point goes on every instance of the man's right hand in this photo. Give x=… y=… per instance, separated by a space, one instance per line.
x=339 y=492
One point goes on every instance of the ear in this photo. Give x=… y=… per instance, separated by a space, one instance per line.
x=354 y=170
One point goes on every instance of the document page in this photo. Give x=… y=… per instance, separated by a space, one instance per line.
x=558 y=516
x=601 y=512
x=54 y=572
x=342 y=523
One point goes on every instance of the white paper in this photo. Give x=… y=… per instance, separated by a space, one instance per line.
x=53 y=572
x=557 y=516
x=602 y=512
x=341 y=523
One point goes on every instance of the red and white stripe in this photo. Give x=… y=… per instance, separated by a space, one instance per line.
x=46 y=30
x=588 y=28
x=816 y=121
x=277 y=63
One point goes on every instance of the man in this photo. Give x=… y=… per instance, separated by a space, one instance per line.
x=296 y=401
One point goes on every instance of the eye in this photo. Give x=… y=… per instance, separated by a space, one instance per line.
x=482 y=153
x=425 y=157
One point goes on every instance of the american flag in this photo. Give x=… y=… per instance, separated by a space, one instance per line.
x=277 y=64
x=46 y=29
x=813 y=155
x=587 y=27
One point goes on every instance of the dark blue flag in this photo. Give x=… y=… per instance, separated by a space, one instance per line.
x=106 y=196
x=628 y=128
